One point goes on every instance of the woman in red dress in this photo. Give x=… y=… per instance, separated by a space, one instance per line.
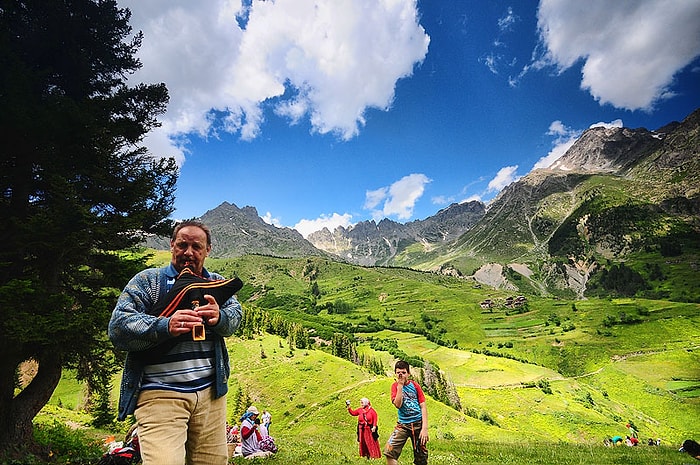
x=366 y=426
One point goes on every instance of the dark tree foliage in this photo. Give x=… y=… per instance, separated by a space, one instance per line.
x=670 y=247
x=75 y=188
x=618 y=279
x=436 y=385
x=344 y=347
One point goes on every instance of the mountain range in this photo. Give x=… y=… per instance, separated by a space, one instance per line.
x=615 y=194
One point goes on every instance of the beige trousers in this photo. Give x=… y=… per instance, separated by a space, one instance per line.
x=176 y=428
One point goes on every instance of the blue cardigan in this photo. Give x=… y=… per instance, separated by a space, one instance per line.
x=131 y=328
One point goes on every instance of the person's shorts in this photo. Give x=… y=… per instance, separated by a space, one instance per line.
x=397 y=439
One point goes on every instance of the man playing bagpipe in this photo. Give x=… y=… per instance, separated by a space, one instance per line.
x=172 y=322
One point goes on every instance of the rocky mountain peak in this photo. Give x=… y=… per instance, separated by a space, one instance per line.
x=607 y=150
x=610 y=185
x=239 y=231
x=370 y=243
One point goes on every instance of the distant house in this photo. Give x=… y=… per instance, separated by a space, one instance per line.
x=488 y=303
x=515 y=302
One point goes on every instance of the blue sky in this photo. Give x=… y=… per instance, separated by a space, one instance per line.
x=331 y=112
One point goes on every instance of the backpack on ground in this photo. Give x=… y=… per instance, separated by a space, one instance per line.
x=128 y=454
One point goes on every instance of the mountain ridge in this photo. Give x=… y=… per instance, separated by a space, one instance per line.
x=616 y=193
x=369 y=243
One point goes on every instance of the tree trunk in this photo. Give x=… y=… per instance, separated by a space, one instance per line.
x=18 y=412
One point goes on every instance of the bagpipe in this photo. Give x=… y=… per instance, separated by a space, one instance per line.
x=187 y=293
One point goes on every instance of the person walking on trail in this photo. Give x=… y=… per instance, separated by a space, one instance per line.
x=174 y=384
x=407 y=396
x=367 y=435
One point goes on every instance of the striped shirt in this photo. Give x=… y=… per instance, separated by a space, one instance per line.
x=187 y=367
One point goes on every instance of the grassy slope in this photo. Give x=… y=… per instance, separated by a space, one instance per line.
x=305 y=391
x=600 y=376
x=504 y=238
x=597 y=385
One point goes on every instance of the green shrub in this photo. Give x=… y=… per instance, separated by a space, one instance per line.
x=66 y=445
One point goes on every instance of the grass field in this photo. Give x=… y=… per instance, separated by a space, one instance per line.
x=543 y=384
x=490 y=453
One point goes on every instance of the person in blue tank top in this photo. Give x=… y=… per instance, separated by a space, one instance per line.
x=407 y=396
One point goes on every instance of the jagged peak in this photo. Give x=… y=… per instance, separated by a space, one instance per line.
x=606 y=149
x=252 y=212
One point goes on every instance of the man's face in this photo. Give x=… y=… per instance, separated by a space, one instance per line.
x=189 y=249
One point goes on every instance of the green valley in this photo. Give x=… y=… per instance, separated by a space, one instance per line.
x=546 y=371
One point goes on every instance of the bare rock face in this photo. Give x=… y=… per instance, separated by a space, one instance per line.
x=239 y=231
x=607 y=150
x=492 y=275
x=615 y=191
x=369 y=243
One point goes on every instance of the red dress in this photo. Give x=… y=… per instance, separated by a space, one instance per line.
x=366 y=418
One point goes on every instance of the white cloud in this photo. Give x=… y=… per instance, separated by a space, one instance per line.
x=441 y=200
x=557 y=128
x=631 y=49
x=300 y=57
x=555 y=154
x=269 y=219
x=399 y=198
x=564 y=138
x=506 y=22
x=499 y=58
x=164 y=145
x=374 y=198
x=612 y=124
x=491 y=61
x=505 y=176
x=306 y=227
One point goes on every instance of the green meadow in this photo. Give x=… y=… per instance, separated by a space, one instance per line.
x=543 y=383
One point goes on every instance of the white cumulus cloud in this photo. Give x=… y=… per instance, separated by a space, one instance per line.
x=564 y=138
x=269 y=219
x=631 y=49
x=224 y=62
x=612 y=124
x=306 y=227
x=505 y=176
x=399 y=199
x=375 y=197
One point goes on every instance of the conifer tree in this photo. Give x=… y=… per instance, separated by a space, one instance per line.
x=77 y=185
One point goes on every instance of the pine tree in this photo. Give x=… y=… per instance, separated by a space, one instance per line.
x=76 y=188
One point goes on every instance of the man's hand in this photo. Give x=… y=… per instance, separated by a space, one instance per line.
x=209 y=313
x=182 y=321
